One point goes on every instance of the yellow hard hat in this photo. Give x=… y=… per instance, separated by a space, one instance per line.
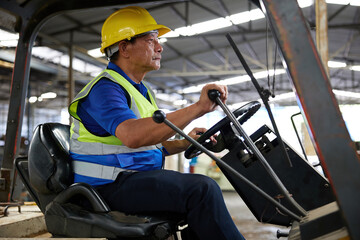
x=126 y=23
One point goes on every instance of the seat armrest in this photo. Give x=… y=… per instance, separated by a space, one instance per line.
x=97 y=202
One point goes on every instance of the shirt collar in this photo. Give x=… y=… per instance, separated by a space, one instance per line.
x=139 y=86
x=116 y=68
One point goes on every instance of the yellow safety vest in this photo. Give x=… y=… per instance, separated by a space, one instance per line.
x=85 y=143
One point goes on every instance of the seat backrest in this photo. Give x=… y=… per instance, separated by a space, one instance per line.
x=21 y=166
x=49 y=162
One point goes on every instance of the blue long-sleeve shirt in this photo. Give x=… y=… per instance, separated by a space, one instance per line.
x=105 y=107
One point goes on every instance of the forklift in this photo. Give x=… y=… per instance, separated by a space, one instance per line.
x=277 y=184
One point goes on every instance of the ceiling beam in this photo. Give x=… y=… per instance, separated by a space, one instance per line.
x=342 y=8
x=195 y=74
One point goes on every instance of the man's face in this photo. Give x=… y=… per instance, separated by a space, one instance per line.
x=145 y=53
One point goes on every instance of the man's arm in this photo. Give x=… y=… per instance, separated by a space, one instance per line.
x=136 y=133
x=177 y=146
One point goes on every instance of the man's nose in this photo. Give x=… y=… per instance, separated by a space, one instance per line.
x=158 y=47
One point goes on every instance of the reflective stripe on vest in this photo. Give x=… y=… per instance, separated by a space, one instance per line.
x=83 y=142
x=97 y=148
x=97 y=170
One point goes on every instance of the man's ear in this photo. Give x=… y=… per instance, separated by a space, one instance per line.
x=123 y=48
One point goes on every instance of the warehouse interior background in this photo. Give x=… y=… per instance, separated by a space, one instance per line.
x=66 y=56
x=196 y=52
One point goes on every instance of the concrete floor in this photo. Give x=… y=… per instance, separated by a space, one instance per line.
x=246 y=222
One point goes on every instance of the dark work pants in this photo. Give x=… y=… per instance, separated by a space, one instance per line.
x=195 y=196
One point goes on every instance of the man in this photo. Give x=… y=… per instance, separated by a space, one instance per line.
x=119 y=149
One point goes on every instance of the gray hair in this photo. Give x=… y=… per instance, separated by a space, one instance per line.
x=109 y=51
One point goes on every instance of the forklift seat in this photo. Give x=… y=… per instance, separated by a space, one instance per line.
x=77 y=210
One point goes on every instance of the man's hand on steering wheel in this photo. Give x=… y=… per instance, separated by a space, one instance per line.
x=242 y=114
x=197 y=132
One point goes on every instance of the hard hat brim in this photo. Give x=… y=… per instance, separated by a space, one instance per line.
x=161 y=28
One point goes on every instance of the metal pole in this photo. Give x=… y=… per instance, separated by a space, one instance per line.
x=19 y=86
x=336 y=150
x=71 y=83
x=322 y=32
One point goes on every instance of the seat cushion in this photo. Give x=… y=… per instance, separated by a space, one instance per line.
x=73 y=221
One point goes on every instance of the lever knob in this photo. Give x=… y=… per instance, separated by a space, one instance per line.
x=159 y=116
x=213 y=94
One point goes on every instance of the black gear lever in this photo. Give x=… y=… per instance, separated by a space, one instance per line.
x=159 y=116
x=213 y=94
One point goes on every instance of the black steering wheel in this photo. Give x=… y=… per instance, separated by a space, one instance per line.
x=245 y=112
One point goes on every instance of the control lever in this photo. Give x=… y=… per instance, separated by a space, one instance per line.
x=160 y=117
x=215 y=96
x=280 y=234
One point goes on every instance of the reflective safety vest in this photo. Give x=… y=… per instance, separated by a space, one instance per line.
x=96 y=147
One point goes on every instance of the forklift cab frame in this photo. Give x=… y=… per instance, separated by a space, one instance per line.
x=336 y=150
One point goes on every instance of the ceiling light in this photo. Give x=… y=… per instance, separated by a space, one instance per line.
x=48 y=95
x=96 y=53
x=288 y=95
x=8 y=43
x=8 y=39
x=210 y=25
x=279 y=97
x=203 y=27
x=32 y=99
x=162 y=40
x=282 y=96
x=246 y=16
x=239 y=18
x=170 y=35
x=235 y=80
x=336 y=64
x=336 y=92
x=344 y=2
x=45 y=53
x=355 y=68
x=346 y=93
x=215 y=24
x=185 y=31
x=256 y=14
x=264 y=74
x=305 y=3
x=355 y=2
x=58 y=57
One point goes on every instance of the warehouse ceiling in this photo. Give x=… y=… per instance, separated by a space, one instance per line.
x=188 y=61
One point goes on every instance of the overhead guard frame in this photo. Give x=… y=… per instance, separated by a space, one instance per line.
x=318 y=104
